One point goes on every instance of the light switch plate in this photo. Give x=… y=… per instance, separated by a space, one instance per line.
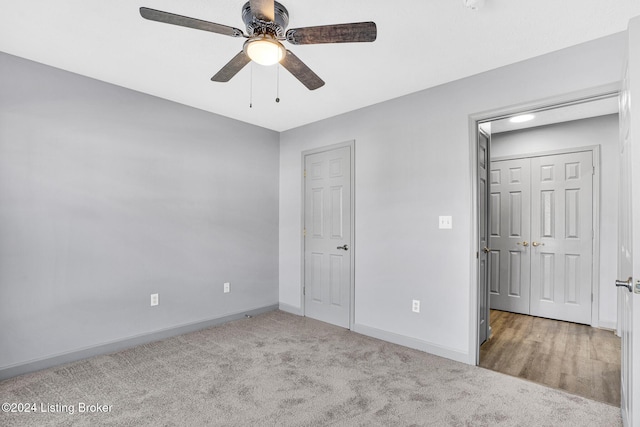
x=446 y=222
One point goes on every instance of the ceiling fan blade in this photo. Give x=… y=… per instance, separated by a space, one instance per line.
x=339 y=33
x=263 y=9
x=227 y=72
x=184 y=21
x=301 y=72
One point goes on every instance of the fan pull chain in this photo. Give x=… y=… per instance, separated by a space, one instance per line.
x=278 y=83
x=251 y=87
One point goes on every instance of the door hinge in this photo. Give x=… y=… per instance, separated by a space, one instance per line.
x=305 y=173
x=304 y=290
x=304 y=232
x=477 y=254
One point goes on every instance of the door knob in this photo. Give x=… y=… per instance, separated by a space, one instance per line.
x=523 y=243
x=343 y=247
x=625 y=284
x=536 y=244
x=486 y=250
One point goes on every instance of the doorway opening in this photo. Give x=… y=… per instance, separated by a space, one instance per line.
x=538 y=258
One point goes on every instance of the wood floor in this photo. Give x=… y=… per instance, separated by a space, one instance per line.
x=577 y=358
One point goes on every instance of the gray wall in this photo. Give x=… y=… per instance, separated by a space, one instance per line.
x=602 y=131
x=413 y=163
x=108 y=195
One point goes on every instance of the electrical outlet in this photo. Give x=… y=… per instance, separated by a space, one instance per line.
x=416 y=306
x=226 y=288
x=154 y=300
x=445 y=222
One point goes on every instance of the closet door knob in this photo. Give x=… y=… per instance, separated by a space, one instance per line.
x=524 y=243
x=625 y=284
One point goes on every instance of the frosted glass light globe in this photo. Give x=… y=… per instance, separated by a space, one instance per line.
x=264 y=50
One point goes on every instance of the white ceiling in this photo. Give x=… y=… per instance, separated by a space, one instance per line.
x=421 y=44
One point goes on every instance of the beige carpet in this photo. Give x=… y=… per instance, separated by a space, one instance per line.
x=281 y=369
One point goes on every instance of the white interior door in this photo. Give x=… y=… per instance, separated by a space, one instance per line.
x=625 y=259
x=629 y=232
x=327 y=241
x=562 y=236
x=483 y=240
x=542 y=236
x=510 y=210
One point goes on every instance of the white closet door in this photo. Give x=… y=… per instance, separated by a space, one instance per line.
x=542 y=236
x=327 y=242
x=509 y=261
x=562 y=236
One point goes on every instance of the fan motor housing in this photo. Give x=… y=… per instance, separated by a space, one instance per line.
x=257 y=26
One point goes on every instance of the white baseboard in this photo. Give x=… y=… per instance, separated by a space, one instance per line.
x=291 y=309
x=612 y=326
x=449 y=353
x=111 y=347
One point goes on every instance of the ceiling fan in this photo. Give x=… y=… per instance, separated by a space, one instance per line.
x=266 y=21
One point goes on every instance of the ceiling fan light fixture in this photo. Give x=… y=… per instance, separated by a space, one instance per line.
x=264 y=50
x=266 y=22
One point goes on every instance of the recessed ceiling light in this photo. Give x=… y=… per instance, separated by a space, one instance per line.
x=522 y=118
x=473 y=4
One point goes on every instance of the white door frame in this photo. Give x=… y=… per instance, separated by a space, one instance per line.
x=473 y=121
x=595 y=207
x=352 y=145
